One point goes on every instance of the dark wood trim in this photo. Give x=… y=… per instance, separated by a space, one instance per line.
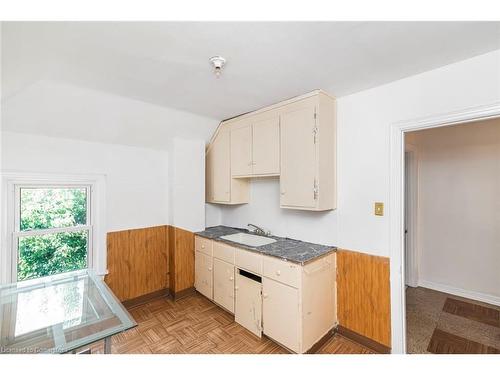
x=182 y=293
x=363 y=340
x=141 y=300
x=322 y=341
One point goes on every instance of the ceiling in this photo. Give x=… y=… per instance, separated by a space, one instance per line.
x=166 y=63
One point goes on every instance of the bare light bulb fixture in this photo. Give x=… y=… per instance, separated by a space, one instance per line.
x=218 y=63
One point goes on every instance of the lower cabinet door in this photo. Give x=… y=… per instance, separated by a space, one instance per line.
x=224 y=284
x=248 y=308
x=203 y=274
x=281 y=313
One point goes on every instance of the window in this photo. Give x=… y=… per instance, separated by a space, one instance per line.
x=52 y=224
x=53 y=229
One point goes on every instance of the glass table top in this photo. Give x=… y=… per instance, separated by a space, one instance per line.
x=59 y=313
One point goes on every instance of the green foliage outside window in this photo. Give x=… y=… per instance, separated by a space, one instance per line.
x=49 y=254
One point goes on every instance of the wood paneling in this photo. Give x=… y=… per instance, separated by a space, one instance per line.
x=363 y=293
x=118 y=263
x=181 y=252
x=138 y=261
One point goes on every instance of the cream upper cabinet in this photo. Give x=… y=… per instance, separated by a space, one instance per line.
x=209 y=176
x=255 y=146
x=220 y=186
x=298 y=157
x=308 y=154
x=241 y=150
x=295 y=140
x=266 y=145
x=221 y=175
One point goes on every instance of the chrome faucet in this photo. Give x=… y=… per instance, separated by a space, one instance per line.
x=258 y=230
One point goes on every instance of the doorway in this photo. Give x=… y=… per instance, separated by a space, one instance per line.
x=411 y=215
x=396 y=205
x=453 y=298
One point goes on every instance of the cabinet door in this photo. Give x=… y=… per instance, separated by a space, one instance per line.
x=281 y=313
x=266 y=146
x=248 y=308
x=298 y=158
x=209 y=196
x=241 y=151
x=221 y=173
x=203 y=274
x=224 y=284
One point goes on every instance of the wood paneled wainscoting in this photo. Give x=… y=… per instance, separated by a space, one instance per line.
x=181 y=254
x=149 y=262
x=363 y=299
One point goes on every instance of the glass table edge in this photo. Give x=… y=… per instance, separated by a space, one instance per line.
x=126 y=319
x=89 y=340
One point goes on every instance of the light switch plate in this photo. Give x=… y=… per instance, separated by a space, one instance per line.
x=379 y=208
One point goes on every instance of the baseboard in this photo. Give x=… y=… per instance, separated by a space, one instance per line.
x=141 y=300
x=182 y=293
x=363 y=340
x=322 y=341
x=482 y=297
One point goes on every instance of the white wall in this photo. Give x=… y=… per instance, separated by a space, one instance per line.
x=459 y=207
x=264 y=210
x=187 y=184
x=136 y=178
x=364 y=120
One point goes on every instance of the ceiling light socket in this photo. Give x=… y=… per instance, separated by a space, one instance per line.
x=218 y=63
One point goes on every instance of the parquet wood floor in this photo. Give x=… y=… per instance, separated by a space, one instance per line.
x=196 y=325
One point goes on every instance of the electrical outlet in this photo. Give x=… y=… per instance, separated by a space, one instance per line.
x=379 y=208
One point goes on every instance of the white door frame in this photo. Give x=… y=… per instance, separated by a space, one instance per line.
x=411 y=215
x=396 y=205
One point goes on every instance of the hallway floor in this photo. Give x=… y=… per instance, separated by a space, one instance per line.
x=442 y=323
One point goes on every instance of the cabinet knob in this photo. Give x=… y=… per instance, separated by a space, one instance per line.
x=210 y=268
x=202 y=246
x=265 y=295
x=231 y=278
x=236 y=287
x=278 y=273
x=282 y=192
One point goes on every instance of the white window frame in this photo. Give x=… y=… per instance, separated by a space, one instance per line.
x=13 y=182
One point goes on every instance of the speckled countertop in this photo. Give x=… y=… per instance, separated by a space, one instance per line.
x=284 y=248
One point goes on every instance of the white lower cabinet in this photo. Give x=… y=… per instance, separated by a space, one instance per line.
x=203 y=269
x=224 y=284
x=248 y=310
x=280 y=306
x=293 y=304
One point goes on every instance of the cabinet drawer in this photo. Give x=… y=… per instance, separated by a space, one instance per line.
x=285 y=272
x=249 y=261
x=203 y=245
x=223 y=252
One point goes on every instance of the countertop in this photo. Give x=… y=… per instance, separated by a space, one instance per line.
x=284 y=248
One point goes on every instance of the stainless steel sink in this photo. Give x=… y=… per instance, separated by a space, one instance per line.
x=248 y=239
